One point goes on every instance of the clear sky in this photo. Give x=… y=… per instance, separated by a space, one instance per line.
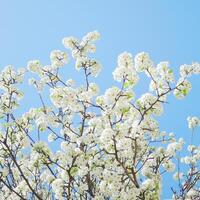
x=167 y=29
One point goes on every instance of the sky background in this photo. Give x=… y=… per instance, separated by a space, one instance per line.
x=168 y=30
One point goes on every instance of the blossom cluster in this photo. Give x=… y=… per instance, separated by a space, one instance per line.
x=86 y=145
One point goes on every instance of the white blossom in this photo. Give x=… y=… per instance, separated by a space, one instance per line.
x=183 y=87
x=34 y=66
x=142 y=62
x=193 y=122
x=58 y=58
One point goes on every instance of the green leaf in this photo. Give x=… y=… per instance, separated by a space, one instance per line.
x=74 y=171
x=125 y=110
x=184 y=92
x=128 y=84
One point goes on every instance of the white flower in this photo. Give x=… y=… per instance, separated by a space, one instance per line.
x=110 y=95
x=34 y=66
x=149 y=102
x=188 y=70
x=191 y=148
x=63 y=97
x=169 y=166
x=196 y=68
x=192 y=194
x=125 y=60
x=106 y=135
x=92 y=65
x=165 y=72
x=95 y=68
x=92 y=36
x=70 y=42
x=93 y=88
x=57 y=185
x=58 y=58
x=187 y=160
x=193 y=122
x=125 y=70
x=173 y=147
x=82 y=171
x=64 y=145
x=183 y=87
x=142 y=62
x=41 y=147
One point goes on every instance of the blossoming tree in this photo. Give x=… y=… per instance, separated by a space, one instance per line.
x=107 y=147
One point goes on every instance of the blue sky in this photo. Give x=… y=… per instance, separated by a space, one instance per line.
x=167 y=29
